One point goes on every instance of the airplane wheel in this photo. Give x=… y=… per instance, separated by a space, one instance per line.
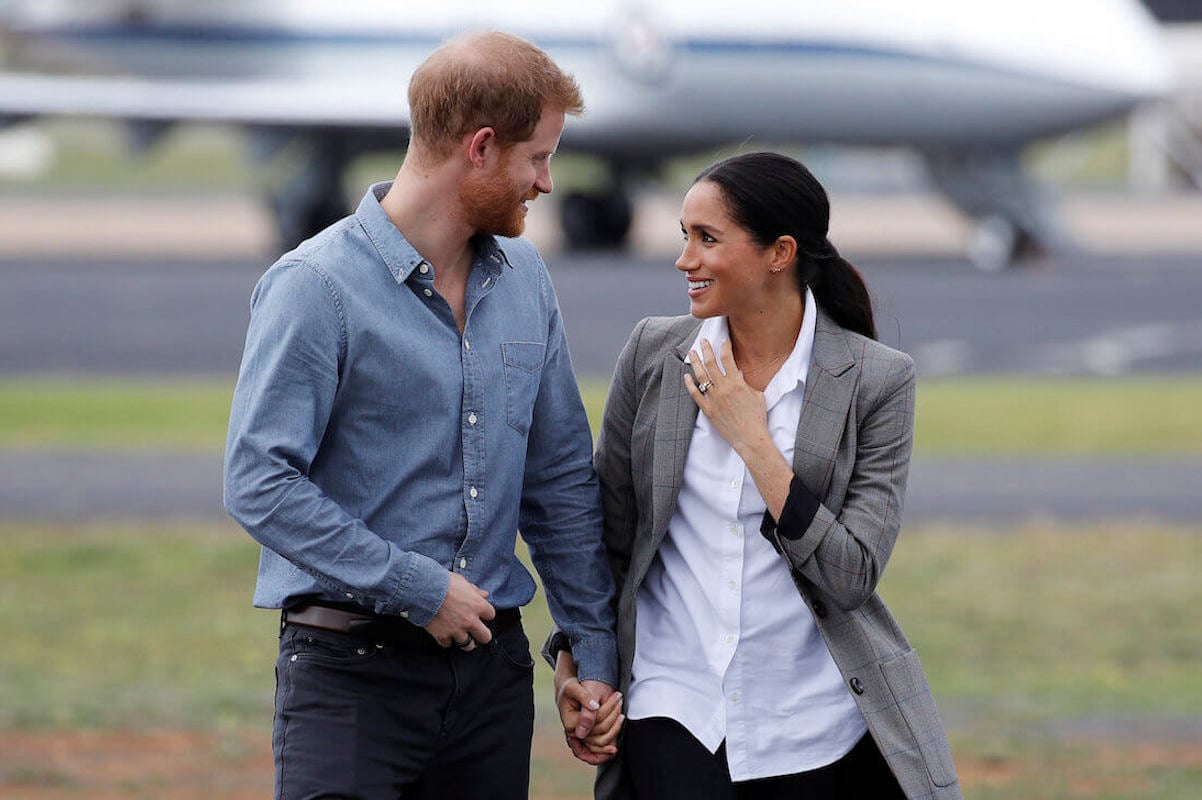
x=995 y=244
x=298 y=220
x=595 y=221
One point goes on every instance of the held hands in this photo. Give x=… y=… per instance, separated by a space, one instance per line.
x=591 y=713
x=460 y=621
x=736 y=409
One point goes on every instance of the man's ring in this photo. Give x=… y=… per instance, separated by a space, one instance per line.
x=465 y=644
x=704 y=386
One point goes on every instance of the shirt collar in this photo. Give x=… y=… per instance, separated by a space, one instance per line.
x=399 y=255
x=793 y=372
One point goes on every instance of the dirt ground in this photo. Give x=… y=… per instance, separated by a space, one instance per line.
x=171 y=765
x=183 y=765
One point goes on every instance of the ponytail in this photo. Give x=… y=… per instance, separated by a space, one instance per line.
x=771 y=195
x=838 y=287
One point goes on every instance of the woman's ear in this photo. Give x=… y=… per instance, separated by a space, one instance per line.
x=784 y=251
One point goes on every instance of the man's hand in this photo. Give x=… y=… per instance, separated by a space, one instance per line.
x=460 y=621
x=591 y=713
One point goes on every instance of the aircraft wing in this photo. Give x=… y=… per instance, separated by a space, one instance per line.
x=259 y=102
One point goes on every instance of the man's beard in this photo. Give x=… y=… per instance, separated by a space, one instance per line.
x=492 y=204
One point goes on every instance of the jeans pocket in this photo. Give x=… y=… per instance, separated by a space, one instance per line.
x=523 y=369
x=514 y=647
x=330 y=647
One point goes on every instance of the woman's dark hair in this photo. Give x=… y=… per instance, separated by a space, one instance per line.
x=770 y=196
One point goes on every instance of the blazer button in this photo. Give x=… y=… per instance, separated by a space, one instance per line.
x=820 y=609
x=857 y=685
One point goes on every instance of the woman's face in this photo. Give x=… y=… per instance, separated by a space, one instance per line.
x=727 y=271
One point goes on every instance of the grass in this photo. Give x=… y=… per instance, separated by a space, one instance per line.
x=170 y=415
x=962 y=416
x=1043 y=644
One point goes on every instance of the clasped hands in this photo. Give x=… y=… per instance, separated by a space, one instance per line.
x=591 y=713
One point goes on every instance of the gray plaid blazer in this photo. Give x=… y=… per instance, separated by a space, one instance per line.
x=853 y=451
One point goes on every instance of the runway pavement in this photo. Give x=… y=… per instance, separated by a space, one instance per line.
x=1080 y=314
x=94 y=486
x=128 y=307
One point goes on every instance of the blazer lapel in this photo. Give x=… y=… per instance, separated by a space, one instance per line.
x=673 y=431
x=830 y=387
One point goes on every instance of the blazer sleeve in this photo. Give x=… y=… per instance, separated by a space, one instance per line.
x=612 y=460
x=844 y=554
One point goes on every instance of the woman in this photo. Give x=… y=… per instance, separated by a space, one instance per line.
x=753 y=459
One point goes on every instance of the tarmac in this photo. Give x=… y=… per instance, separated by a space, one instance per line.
x=237 y=226
x=169 y=234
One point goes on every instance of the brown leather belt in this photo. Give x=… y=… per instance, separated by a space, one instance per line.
x=380 y=627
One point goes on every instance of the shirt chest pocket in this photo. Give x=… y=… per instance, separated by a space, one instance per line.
x=523 y=368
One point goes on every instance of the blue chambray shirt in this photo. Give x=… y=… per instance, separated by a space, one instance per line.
x=372 y=447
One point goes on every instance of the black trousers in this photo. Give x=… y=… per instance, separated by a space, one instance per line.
x=665 y=762
x=357 y=719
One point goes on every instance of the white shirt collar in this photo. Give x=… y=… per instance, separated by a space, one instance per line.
x=793 y=372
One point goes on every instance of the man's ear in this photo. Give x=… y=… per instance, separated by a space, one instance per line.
x=480 y=147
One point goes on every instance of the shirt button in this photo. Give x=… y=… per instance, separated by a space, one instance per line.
x=473 y=492
x=733 y=585
x=734 y=697
x=423 y=268
x=467 y=345
x=471 y=418
x=734 y=484
x=350 y=596
x=734 y=529
x=427 y=293
x=463 y=563
x=404 y=615
x=730 y=639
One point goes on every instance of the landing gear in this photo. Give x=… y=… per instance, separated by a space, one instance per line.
x=1014 y=220
x=996 y=243
x=312 y=199
x=299 y=218
x=597 y=220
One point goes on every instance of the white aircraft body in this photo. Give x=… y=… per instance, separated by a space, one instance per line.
x=967 y=85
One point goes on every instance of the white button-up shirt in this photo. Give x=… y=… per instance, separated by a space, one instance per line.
x=725 y=644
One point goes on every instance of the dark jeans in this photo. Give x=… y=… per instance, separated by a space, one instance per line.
x=665 y=762
x=357 y=719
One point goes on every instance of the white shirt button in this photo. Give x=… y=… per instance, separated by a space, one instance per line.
x=423 y=268
x=463 y=563
x=733 y=585
x=405 y=615
x=473 y=492
x=350 y=596
x=471 y=418
x=734 y=484
x=730 y=638
x=427 y=293
x=467 y=345
x=734 y=697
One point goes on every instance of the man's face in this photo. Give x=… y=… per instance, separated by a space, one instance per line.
x=494 y=200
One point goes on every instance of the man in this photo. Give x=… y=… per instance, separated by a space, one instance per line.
x=405 y=404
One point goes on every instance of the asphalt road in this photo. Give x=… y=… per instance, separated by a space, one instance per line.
x=91 y=486
x=1077 y=315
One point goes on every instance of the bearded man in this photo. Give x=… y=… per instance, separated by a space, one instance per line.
x=405 y=405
